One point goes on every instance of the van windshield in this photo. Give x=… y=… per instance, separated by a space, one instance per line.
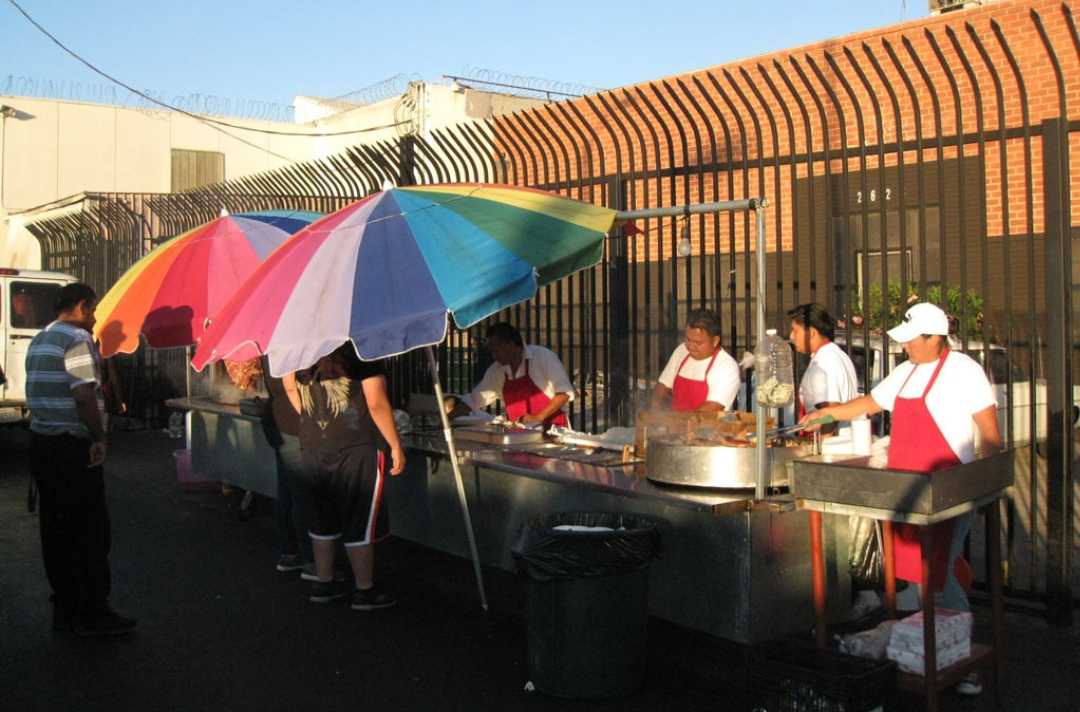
x=31 y=304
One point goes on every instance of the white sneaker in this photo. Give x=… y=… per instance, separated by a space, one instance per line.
x=971 y=685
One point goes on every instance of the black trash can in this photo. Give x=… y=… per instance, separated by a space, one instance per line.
x=588 y=602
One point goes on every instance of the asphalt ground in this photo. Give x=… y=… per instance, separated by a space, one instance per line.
x=220 y=629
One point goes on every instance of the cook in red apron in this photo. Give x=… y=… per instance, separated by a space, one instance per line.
x=688 y=394
x=918 y=445
x=523 y=397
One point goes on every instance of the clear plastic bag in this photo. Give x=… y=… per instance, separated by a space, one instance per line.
x=865 y=553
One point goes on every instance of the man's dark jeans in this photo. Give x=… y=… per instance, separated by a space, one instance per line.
x=75 y=528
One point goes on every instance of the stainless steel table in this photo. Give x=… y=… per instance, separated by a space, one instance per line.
x=729 y=566
x=844 y=485
x=229 y=445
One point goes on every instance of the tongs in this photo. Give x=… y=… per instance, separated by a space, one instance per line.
x=788 y=429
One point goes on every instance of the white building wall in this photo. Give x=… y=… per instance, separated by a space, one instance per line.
x=53 y=149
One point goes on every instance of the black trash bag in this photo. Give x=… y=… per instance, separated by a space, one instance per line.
x=549 y=554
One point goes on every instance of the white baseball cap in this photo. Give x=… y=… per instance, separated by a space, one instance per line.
x=923 y=318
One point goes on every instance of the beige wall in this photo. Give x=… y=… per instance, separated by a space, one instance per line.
x=54 y=149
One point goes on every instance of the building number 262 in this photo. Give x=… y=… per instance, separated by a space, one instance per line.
x=872 y=195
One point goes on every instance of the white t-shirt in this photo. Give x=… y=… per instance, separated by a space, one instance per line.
x=960 y=391
x=545 y=370
x=830 y=378
x=723 y=377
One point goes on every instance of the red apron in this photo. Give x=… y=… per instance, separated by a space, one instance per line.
x=917 y=444
x=688 y=394
x=523 y=397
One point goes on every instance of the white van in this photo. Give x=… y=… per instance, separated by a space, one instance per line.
x=26 y=306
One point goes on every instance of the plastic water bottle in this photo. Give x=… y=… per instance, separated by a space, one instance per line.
x=775 y=379
x=176 y=426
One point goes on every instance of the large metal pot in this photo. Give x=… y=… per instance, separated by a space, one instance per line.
x=673 y=462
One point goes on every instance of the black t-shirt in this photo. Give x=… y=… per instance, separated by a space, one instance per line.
x=334 y=413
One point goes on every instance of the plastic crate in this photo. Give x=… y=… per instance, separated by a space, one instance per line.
x=796 y=676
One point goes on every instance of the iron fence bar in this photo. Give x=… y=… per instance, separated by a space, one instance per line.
x=715 y=196
x=731 y=220
x=793 y=186
x=542 y=127
x=808 y=132
x=864 y=211
x=542 y=305
x=503 y=135
x=467 y=157
x=980 y=129
x=588 y=278
x=842 y=300
x=483 y=156
x=758 y=143
x=1059 y=398
x=935 y=103
x=614 y=282
x=687 y=194
x=777 y=201
x=646 y=356
x=745 y=171
x=961 y=212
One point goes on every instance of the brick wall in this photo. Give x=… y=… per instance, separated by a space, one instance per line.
x=743 y=121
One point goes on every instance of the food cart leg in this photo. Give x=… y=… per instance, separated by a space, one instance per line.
x=994 y=513
x=926 y=545
x=889 y=564
x=817 y=564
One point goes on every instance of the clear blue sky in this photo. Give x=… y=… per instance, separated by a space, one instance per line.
x=272 y=50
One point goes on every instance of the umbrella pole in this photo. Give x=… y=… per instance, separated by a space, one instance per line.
x=434 y=366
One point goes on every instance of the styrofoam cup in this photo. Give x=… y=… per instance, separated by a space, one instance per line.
x=861 y=435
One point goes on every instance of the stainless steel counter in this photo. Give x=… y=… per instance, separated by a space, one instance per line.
x=228 y=445
x=728 y=567
x=627 y=480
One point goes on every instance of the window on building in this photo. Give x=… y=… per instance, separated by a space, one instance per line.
x=195 y=169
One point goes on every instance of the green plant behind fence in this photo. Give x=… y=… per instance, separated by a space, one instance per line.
x=884 y=314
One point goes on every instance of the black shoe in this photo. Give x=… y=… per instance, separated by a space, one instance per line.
x=326 y=591
x=289 y=562
x=110 y=623
x=371 y=599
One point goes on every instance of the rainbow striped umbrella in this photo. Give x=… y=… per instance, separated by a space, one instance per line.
x=388 y=271
x=168 y=294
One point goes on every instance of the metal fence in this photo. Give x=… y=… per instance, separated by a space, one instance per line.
x=929 y=163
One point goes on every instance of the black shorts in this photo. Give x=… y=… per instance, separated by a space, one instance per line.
x=347 y=488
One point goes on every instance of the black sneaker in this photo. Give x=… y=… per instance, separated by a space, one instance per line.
x=326 y=591
x=371 y=599
x=289 y=562
x=110 y=623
